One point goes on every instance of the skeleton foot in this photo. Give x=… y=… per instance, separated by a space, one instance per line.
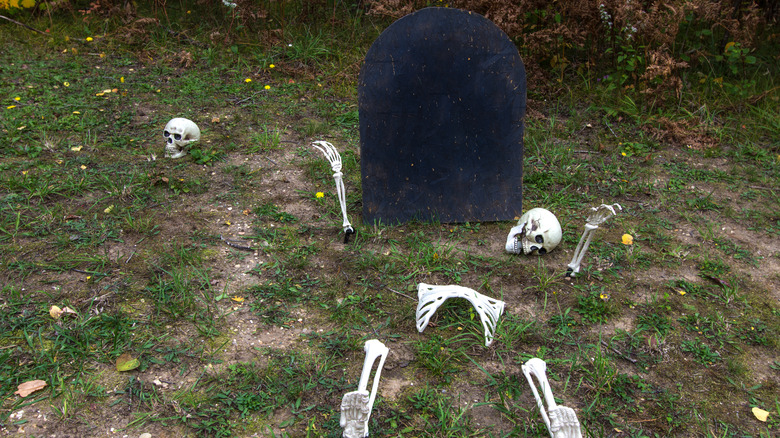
x=356 y=406
x=354 y=414
x=564 y=423
x=560 y=421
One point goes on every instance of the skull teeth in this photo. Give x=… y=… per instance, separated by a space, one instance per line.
x=527 y=247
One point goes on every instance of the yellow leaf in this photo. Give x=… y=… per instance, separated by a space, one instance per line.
x=126 y=362
x=628 y=239
x=29 y=387
x=76 y=148
x=760 y=414
x=238 y=299
x=55 y=312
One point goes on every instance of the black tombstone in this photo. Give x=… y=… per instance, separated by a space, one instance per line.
x=441 y=99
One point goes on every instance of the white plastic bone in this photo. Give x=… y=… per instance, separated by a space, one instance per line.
x=356 y=406
x=561 y=421
x=598 y=216
x=334 y=158
x=179 y=133
x=537 y=232
x=430 y=297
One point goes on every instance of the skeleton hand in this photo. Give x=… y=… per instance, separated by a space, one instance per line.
x=603 y=212
x=564 y=423
x=354 y=414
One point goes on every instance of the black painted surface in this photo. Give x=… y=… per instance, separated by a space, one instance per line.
x=441 y=99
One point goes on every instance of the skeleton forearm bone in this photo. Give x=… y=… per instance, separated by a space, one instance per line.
x=598 y=216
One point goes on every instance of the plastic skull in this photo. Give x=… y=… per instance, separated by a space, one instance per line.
x=537 y=232
x=178 y=134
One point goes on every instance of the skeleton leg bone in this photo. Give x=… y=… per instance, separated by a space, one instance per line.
x=356 y=406
x=561 y=421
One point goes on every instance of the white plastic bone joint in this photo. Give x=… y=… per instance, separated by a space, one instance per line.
x=178 y=134
x=597 y=216
x=537 y=232
x=561 y=421
x=430 y=297
x=356 y=406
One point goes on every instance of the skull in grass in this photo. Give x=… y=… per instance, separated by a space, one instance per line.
x=179 y=133
x=537 y=232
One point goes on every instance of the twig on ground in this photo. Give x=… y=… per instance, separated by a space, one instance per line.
x=22 y=24
x=399 y=293
x=185 y=37
x=235 y=245
x=618 y=352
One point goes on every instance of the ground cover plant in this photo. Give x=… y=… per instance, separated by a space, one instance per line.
x=213 y=295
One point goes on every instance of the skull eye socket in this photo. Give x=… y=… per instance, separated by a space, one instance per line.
x=166 y=134
x=539 y=239
x=542 y=251
x=177 y=136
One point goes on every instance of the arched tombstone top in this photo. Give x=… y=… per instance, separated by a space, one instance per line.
x=441 y=97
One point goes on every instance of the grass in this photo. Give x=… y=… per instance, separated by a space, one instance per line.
x=226 y=274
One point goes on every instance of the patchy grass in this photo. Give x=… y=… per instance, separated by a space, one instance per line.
x=226 y=275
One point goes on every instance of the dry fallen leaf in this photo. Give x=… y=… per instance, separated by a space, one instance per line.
x=29 y=387
x=760 y=414
x=126 y=362
x=238 y=299
x=56 y=312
